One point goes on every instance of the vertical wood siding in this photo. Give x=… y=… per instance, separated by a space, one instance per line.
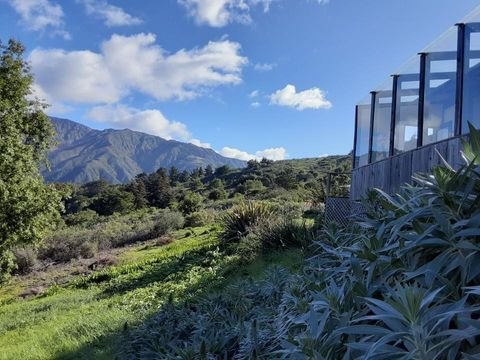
x=391 y=173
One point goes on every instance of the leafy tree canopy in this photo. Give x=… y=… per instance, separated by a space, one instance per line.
x=27 y=206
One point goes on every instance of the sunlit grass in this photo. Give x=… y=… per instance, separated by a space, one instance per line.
x=85 y=320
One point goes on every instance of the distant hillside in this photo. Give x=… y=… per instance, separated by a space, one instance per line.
x=84 y=154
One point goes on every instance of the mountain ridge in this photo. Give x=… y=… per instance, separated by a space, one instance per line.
x=84 y=154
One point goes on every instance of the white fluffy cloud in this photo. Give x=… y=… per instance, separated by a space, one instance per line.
x=313 y=98
x=38 y=15
x=272 y=154
x=110 y=14
x=218 y=13
x=135 y=63
x=148 y=121
x=201 y=144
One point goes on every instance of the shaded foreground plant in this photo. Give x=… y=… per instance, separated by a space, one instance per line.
x=403 y=283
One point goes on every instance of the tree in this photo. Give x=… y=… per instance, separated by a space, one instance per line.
x=28 y=207
x=197 y=173
x=222 y=170
x=94 y=188
x=138 y=188
x=287 y=179
x=253 y=164
x=191 y=202
x=217 y=190
x=174 y=175
x=113 y=200
x=184 y=176
x=208 y=170
x=159 y=190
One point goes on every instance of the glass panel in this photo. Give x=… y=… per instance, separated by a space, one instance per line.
x=406 y=122
x=382 y=121
x=471 y=82
x=363 y=132
x=440 y=88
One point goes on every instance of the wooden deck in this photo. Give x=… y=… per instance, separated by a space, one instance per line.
x=389 y=174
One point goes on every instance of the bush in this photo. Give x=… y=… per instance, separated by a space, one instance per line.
x=199 y=218
x=248 y=248
x=84 y=241
x=86 y=217
x=69 y=244
x=238 y=221
x=167 y=222
x=191 y=202
x=25 y=259
x=284 y=232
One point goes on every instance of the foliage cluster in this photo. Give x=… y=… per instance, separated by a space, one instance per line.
x=85 y=239
x=404 y=283
x=28 y=207
x=282 y=181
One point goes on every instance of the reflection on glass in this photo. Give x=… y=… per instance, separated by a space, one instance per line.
x=406 y=121
x=471 y=82
x=382 y=122
x=363 y=134
x=440 y=88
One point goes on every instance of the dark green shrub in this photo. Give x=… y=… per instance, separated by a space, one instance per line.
x=86 y=217
x=199 y=218
x=238 y=221
x=248 y=248
x=284 y=232
x=191 y=202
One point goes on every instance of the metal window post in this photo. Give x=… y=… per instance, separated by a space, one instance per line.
x=393 y=120
x=355 y=136
x=372 y=117
x=460 y=71
x=421 y=97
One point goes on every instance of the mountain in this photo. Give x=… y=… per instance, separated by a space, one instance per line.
x=84 y=154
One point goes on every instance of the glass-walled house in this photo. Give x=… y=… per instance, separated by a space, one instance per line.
x=420 y=111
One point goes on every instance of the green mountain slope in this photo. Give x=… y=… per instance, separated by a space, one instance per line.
x=84 y=154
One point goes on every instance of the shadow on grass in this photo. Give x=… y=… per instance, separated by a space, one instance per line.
x=174 y=270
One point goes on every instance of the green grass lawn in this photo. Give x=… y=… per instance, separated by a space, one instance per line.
x=86 y=318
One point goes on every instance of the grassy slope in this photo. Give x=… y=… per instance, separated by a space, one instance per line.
x=85 y=320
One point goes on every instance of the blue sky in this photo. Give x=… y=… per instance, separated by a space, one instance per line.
x=249 y=78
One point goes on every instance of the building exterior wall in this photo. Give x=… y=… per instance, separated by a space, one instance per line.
x=391 y=173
